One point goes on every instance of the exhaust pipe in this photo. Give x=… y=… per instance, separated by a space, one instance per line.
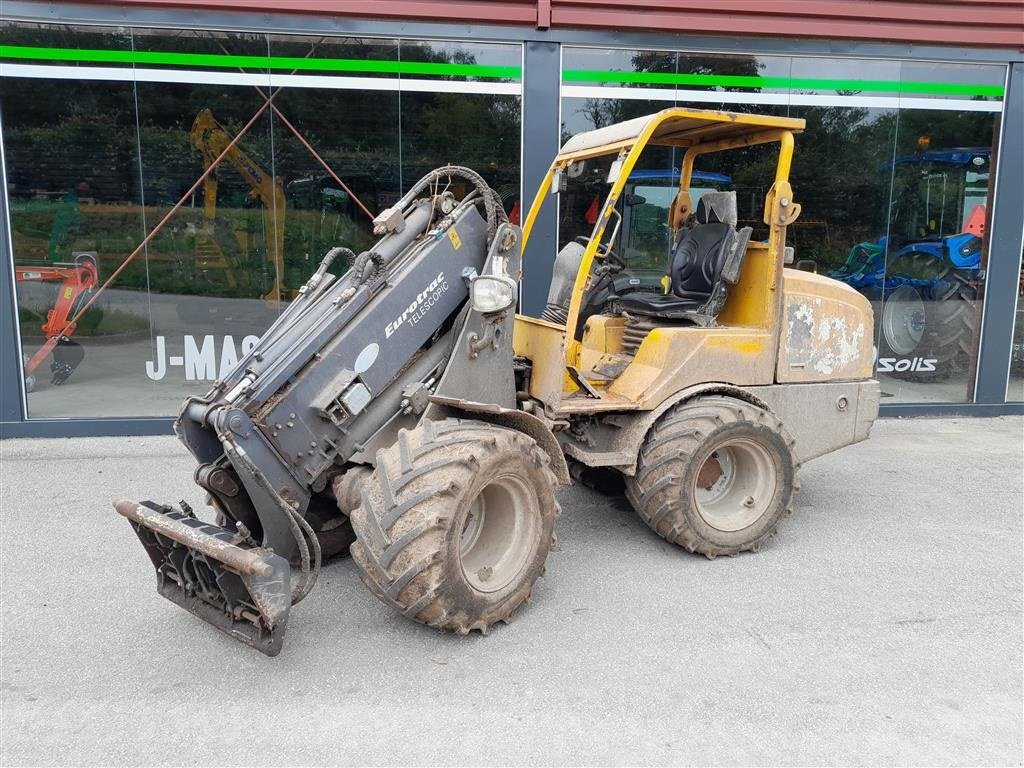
x=245 y=592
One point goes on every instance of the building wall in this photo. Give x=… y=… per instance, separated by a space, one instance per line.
x=988 y=23
x=99 y=143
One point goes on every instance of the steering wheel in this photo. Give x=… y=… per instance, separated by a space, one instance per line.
x=604 y=252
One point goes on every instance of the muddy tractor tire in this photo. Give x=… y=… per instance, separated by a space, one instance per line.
x=456 y=523
x=935 y=323
x=715 y=475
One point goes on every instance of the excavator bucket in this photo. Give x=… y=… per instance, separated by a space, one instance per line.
x=244 y=592
x=67 y=356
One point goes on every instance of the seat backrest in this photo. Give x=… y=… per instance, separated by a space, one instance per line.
x=709 y=250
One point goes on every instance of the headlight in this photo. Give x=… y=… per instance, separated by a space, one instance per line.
x=492 y=293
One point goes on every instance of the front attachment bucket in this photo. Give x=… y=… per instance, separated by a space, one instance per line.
x=243 y=592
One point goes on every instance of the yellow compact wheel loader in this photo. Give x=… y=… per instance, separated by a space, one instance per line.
x=405 y=409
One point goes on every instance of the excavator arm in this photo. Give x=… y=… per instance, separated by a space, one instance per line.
x=77 y=280
x=210 y=138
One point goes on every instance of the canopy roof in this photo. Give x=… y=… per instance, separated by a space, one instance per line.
x=680 y=127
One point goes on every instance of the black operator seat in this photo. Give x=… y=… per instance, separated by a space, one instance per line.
x=705 y=260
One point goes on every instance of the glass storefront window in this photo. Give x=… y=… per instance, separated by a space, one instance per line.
x=216 y=276
x=71 y=159
x=1015 y=385
x=105 y=129
x=104 y=137
x=893 y=173
x=468 y=113
x=928 y=284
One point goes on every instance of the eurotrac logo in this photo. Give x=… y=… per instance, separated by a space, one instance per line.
x=424 y=300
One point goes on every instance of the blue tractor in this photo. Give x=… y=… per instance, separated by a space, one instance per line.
x=925 y=272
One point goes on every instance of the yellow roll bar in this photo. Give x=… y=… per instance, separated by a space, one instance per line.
x=700 y=132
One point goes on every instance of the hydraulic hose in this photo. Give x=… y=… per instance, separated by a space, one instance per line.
x=310 y=572
x=491 y=201
x=305 y=537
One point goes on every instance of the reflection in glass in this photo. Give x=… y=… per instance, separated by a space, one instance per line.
x=93 y=167
x=894 y=190
x=928 y=292
x=1015 y=386
x=74 y=200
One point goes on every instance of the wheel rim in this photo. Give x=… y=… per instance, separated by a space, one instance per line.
x=903 y=320
x=735 y=485
x=499 y=534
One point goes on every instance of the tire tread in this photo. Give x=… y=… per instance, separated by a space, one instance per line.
x=663 y=457
x=397 y=549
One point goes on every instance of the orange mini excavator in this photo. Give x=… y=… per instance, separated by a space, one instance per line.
x=77 y=280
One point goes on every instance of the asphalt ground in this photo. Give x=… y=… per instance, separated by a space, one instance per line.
x=883 y=626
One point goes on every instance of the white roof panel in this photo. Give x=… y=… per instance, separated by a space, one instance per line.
x=681 y=126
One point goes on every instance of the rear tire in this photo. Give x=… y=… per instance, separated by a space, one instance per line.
x=948 y=334
x=456 y=523
x=715 y=475
x=932 y=323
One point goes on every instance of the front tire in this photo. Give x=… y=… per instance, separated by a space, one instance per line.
x=455 y=523
x=715 y=475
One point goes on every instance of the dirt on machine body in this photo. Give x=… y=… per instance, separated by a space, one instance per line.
x=403 y=409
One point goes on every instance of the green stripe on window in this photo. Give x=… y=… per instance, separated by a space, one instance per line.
x=103 y=56
x=796 y=83
x=258 y=62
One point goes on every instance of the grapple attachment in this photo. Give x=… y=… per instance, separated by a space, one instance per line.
x=244 y=592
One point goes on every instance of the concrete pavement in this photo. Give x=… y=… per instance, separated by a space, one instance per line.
x=882 y=626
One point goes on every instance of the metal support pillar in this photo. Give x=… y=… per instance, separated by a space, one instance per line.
x=1004 y=248
x=541 y=126
x=11 y=407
